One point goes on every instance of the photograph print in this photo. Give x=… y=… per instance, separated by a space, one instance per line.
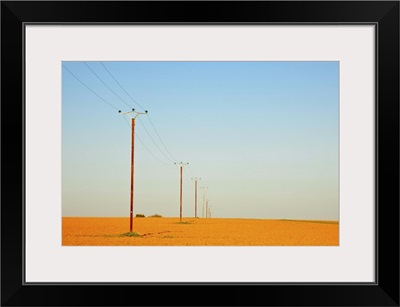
x=200 y=153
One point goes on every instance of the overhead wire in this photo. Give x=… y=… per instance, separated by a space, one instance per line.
x=90 y=88
x=154 y=141
x=101 y=80
x=191 y=172
x=110 y=105
x=151 y=122
x=186 y=174
x=121 y=86
x=154 y=156
x=148 y=116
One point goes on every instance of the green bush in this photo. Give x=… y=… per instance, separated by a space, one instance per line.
x=140 y=215
x=155 y=215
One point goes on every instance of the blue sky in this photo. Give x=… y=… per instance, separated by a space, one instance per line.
x=263 y=136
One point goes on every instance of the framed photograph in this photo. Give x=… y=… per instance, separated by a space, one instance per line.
x=218 y=146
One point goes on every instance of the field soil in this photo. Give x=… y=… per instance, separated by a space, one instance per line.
x=165 y=231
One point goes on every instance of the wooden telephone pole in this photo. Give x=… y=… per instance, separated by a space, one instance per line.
x=204 y=200
x=180 y=194
x=195 y=195
x=136 y=114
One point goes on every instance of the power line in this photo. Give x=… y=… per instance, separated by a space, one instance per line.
x=155 y=142
x=90 y=89
x=113 y=108
x=127 y=105
x=151 y=122
x=187 y=173
x=190 y=170
x=121 y=86
x=107 y=85
x=155 y=157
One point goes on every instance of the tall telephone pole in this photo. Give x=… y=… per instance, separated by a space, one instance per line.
x=132 y=114
x=180 y=193
x=195 y=195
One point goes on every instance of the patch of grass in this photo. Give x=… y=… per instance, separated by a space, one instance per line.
x=129 y=234
x=125 y=234
x=167 y=237
x=184 y=222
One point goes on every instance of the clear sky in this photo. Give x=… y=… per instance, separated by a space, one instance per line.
x=262 y=136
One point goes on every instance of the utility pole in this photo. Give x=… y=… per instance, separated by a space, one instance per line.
x=204 y=200
x=207 y=208
x=133 y=117
x=195 y=195
x=180 y=197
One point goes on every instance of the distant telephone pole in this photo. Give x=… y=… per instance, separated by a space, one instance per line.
x=204 y=200
x=180 y=207
x=195 y=195
x=136 y=114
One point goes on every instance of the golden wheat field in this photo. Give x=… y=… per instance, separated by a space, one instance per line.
x=166 y=231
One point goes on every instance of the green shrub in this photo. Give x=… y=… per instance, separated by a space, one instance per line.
x=140 y=215
x=155 y=215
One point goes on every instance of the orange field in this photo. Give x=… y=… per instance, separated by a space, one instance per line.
x=165 y=231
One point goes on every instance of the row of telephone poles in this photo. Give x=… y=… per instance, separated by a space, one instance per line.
x=133 y=114
x=205 y=207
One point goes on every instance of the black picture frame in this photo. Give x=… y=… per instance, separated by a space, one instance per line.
x=383 y=14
